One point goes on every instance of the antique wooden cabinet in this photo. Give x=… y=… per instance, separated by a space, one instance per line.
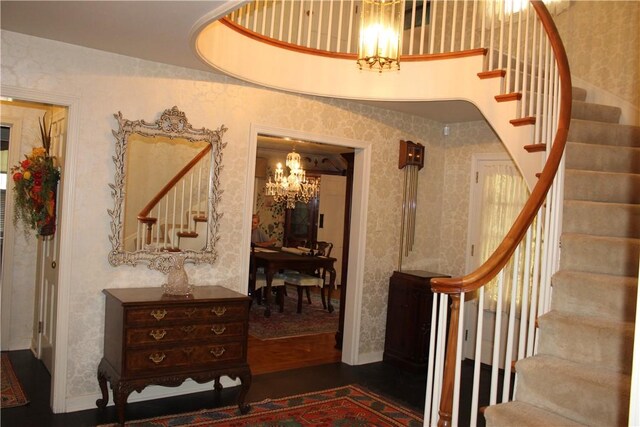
x=151 y=338
x=409 y=319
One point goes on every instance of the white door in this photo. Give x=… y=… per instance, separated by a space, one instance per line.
x=331 y=216
x=47 y=262
x=484 y=168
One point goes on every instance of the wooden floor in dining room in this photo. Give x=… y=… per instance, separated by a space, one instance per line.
x=283 y=354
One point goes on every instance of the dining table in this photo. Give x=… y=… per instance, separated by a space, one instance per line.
x=275 y=260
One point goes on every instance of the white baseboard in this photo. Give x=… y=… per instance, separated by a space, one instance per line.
x=373 y=357
x=81 y=403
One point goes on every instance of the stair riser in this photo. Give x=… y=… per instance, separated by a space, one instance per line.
x=606 y=345
x=602 y=158
x=573 y=396
x=595 y=112
x=604 y=133
x=602 y=187
x=597 y=255
x=601 y=219
x=607 y=297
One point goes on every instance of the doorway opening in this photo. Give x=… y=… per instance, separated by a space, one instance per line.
x=29 y=318
x=307 y=338
x=354 y=156
x=29 y=274
x=497 y=193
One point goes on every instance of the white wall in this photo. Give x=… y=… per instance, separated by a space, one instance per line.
x=20 y=275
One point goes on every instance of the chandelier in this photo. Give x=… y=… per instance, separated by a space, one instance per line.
x=381 y=26
x=292 y=188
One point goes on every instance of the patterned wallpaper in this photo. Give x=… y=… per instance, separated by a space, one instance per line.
x=609 y=31
x=105 y=83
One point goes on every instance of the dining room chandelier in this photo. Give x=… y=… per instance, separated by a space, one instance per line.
x=294 y=187
x=381 y=24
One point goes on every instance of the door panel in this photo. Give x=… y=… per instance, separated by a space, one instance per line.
x=47 y=262
x=482 y=166
x=331 y=216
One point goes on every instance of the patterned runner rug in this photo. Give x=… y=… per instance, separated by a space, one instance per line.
x=11 y=392
x=343 y=406
x=313 y=319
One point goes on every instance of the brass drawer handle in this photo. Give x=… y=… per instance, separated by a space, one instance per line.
x=158 y=334
x=219 y=311
x=218 y=329
x=189 y=312
x=157 y=357
x=159 y=314
x=188 y=329
x=218 y=351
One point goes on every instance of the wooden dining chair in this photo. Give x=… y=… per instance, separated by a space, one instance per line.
x=306 y=281
x=277 y=283
x=324 y=248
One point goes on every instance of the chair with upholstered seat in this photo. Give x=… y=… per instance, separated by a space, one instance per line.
x=277 y=282
x=306 y=281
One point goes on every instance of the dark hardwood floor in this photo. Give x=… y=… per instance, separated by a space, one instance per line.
x=402 y=387
x=280 y=367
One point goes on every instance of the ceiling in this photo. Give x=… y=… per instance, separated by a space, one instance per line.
x=162 y=31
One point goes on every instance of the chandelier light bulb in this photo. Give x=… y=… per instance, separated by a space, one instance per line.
x=294 y=187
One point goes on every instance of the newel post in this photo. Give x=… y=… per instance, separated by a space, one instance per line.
x=446 y=399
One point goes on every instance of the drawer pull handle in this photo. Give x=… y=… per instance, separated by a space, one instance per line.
x=159 y=314
x=158 y=334
x=187 y=350
x=188 y=329
x=189 y=312
x=157 y=357
x=219 y=311
x=217 y=352
x=218 y=329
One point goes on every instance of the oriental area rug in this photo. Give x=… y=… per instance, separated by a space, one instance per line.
x=313 y=319
x=344 y=406
x=11 y=390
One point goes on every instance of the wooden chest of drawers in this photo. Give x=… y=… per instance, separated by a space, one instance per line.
x=150 y=338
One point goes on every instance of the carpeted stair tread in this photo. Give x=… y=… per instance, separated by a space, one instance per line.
x=601 y=295
x=601 y=218
x=595 y=112
x=522 y=414
x=598 y=157
x=602 y=186
x=604 y=133
x=573 y=390
x=597 y=254
x=597 y=342
x=578 y=93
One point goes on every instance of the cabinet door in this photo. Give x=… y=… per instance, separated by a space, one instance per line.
x=402 y=321
x=301 y=223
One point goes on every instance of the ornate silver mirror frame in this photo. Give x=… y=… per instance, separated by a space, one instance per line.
x=172 y=124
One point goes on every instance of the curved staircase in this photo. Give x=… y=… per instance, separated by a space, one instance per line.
x=581 y=372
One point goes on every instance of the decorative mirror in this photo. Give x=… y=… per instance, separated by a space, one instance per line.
x=166 y=191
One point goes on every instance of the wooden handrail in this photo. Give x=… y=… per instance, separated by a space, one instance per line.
x=503 y=252
x=496 y=262
x=163 y=192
